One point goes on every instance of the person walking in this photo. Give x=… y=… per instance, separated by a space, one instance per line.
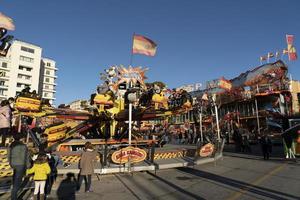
x=41 y=170
x=86 y=166
x=19 y=162
x=5 y=121
x=237 y=138
x=266 y=146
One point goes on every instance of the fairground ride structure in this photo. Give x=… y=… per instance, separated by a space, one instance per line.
x=107 y=116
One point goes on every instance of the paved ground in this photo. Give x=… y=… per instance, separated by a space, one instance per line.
x=237 y=176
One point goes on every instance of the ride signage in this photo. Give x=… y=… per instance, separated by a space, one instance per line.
x=133 y=154
x=207 y=150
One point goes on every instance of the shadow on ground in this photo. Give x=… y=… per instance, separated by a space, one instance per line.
x=264 y=192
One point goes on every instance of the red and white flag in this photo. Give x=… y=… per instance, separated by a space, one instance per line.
x=6 y=22
x=143 y=45
x=290 y=47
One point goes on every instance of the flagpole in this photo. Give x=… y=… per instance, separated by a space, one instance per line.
x=130 y=110
x=131 y=55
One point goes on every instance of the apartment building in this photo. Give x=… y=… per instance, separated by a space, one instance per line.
x=24 y=67
x=79 y=104
x=47 y=82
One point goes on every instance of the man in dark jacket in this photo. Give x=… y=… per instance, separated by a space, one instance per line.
x=266 y=146
x=19 y=161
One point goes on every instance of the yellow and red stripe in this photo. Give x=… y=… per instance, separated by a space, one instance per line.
x=143 y=45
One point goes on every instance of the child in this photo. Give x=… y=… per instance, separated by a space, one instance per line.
x=40 y=169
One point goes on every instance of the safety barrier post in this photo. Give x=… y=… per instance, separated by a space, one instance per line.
x=105 y=155
x=198 y=146
x=152 y=153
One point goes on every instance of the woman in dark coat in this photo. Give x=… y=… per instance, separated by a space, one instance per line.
x=86 y=166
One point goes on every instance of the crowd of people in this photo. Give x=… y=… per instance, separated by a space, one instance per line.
x=42 y=166
x=242 y=144
x=182 y=135
x=241 y=140
x=38 y=162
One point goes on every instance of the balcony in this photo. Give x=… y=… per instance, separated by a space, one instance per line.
x=3 y=96
x=25 y=72
x=4 y=78
x=51 y=67
x=4 y=68
x=50 y=75
x=24 y=81
x=4 y=86
x=49 y=83
x=49 y=90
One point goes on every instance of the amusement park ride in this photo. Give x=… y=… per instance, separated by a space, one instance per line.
x=106 y=122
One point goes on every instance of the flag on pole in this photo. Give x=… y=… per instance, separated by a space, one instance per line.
x=6 y=22
x=262 y=58
x=285 y=51
x=270 y=55
x=143 y=45
x=290 y=47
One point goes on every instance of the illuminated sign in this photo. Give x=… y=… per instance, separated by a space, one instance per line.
x=207 y=150
x=134 y=154
x=225 y=84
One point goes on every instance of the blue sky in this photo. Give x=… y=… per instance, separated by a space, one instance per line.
x=197 y=40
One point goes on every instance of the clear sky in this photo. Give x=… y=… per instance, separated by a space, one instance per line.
x=197 y=40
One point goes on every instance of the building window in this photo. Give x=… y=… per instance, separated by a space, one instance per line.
x=27 y=49
x=45 y=94
x=27 y=59
x=2 y=73
x=46 y=86
x=48 y=64
x=47 y=72
x=4 y=65
x=47 y=80
x=2 y=82
x=25 y=76
x=19 y=84
x=23 y=68
x=1 y=92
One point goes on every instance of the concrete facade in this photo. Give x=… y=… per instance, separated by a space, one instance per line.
x=24 y=66
x=47 y=82
x=78 y=104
